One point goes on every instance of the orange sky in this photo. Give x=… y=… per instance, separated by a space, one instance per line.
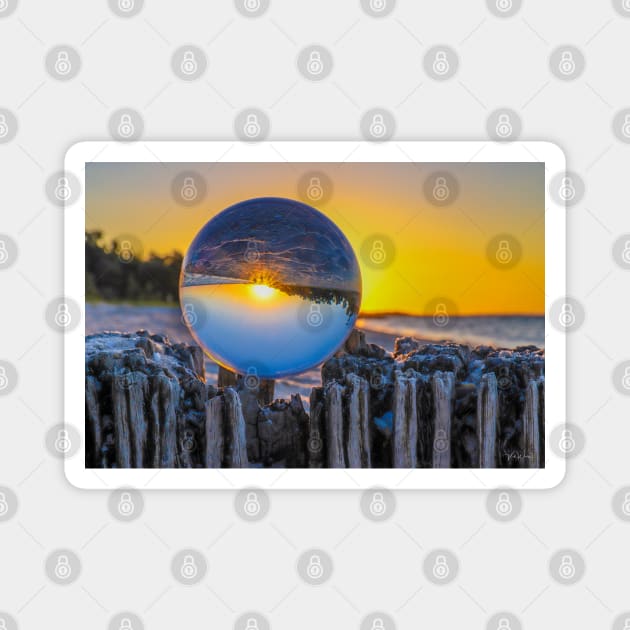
x=440 y=252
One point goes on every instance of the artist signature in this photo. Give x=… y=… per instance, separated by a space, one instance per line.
x=516 y=456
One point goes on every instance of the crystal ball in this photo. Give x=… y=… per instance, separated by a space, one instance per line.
x=270 y=287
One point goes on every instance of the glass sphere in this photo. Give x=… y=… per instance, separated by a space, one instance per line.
x=270 y=287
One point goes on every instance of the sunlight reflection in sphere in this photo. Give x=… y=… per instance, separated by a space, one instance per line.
x=270 y=287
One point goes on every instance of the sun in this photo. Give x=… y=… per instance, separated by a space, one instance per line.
x=262 y=291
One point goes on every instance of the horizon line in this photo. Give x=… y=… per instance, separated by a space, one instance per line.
x=383 y=314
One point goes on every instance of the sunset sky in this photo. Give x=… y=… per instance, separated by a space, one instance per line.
x=440 y=252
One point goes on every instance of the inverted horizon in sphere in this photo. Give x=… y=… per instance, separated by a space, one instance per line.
x=270 y=287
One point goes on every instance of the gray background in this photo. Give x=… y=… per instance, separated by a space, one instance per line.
x=378 y=565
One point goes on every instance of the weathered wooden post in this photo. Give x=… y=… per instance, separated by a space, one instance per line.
x=405 y=422
x=487 y=418
x=333 y=396
x=531 y=436
x=214 y=433
x=443 y=383
x=235 y=442
x=316 y=443
x=358 y=413
x=262 y=388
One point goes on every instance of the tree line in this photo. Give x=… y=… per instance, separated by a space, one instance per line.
x=116 y=271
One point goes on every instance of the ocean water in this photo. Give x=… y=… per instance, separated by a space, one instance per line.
x=497 y=331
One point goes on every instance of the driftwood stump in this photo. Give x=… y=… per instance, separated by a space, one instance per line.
x=427 y=405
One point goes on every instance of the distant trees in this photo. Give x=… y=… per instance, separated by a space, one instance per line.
x=115 y=272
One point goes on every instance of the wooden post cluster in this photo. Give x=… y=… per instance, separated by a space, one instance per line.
x=431 y=406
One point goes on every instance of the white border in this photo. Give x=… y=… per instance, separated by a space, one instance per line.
x=325 y=151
